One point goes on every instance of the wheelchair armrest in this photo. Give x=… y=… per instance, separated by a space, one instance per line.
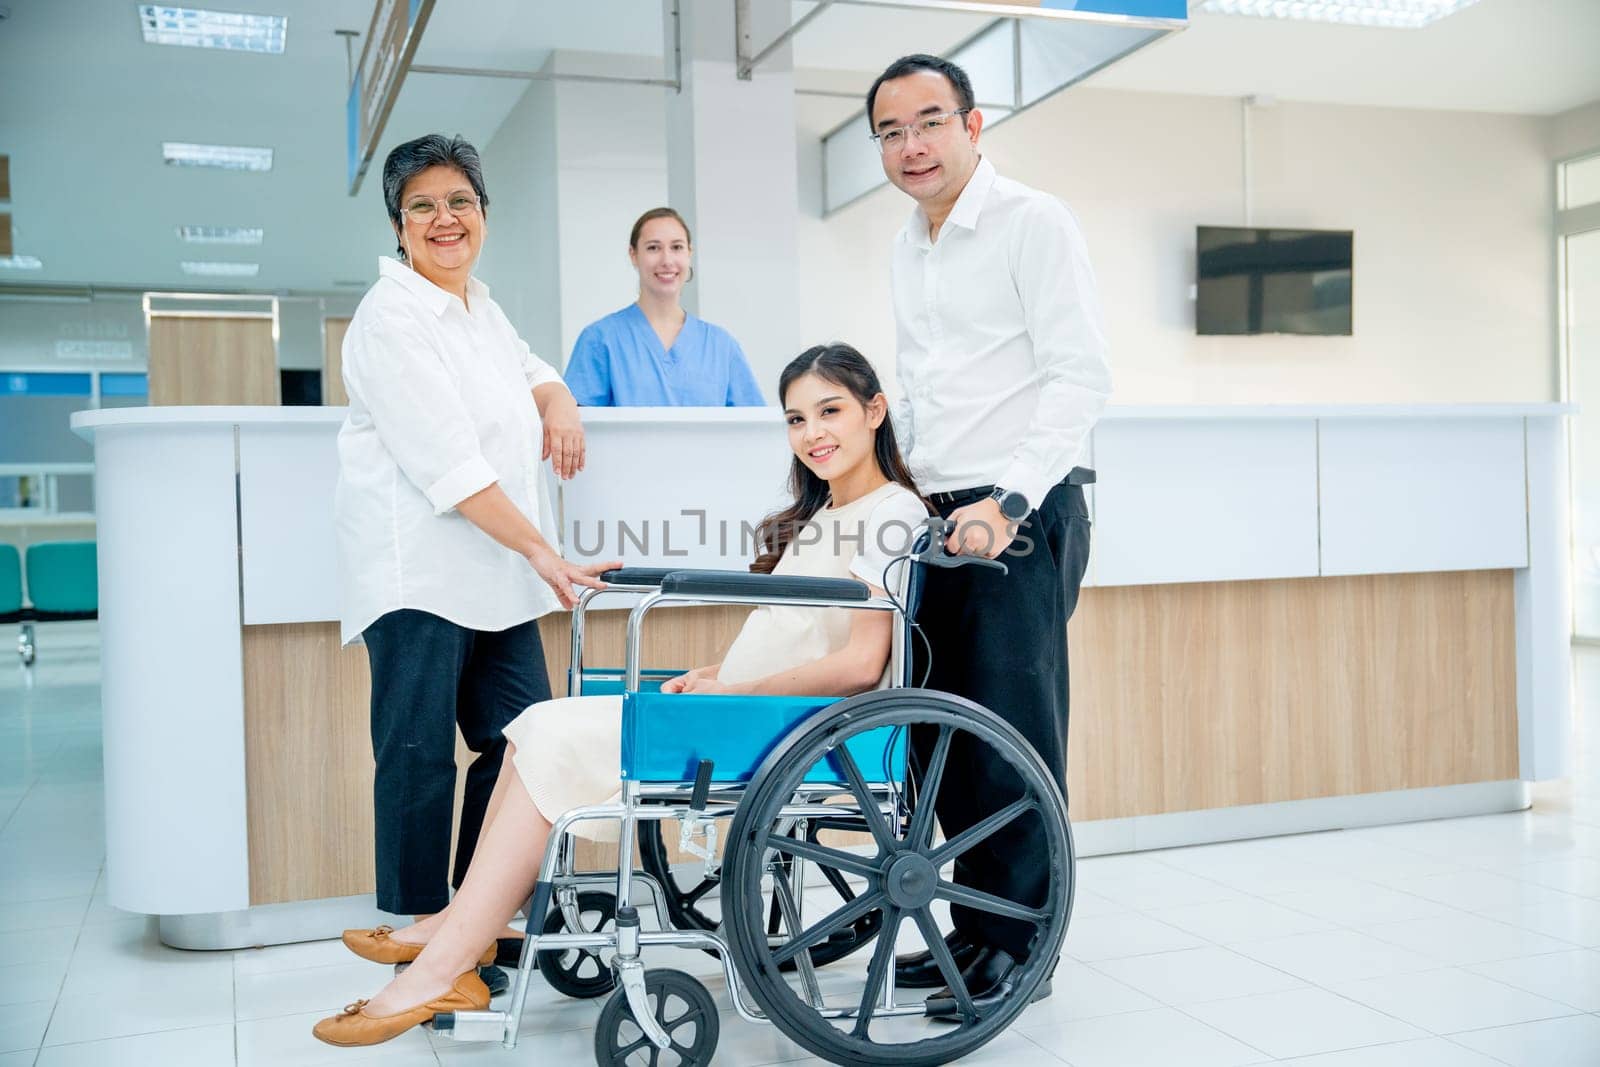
x=764 y=586
x=645 y=576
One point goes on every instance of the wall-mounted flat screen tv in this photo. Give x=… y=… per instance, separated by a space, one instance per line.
x=1273 y=281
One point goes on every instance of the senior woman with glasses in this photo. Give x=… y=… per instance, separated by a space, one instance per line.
x=443 y=569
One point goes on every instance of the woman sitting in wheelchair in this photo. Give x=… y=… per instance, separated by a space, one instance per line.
x=853 y=495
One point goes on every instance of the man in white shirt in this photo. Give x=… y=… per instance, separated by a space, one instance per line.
x=1001 y=362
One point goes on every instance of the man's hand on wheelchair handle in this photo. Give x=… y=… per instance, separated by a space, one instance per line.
x=980 y=530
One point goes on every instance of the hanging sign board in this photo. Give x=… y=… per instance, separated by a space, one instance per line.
x=392 y=40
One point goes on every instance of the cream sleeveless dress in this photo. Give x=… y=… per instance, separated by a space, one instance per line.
x=568 y=750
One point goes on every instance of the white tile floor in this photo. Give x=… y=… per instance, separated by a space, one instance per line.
x=1450 y=944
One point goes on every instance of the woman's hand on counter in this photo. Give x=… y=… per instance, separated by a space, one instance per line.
x=561 y=576
x=563 y=430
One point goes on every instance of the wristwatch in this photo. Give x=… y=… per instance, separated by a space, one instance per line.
x=1013 y=505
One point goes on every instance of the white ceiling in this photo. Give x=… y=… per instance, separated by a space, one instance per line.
x=1527 y=57
x=85 y=105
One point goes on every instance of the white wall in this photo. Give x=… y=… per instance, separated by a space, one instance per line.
x=613 y=168
x=521 y=254
x=568 y=172
x=1575 y=132
x=1453 y=275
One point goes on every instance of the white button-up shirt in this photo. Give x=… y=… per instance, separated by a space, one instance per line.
x=1001 y=352
x=441 y=407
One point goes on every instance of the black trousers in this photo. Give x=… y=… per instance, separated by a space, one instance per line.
x=1001 y=641
x=428 y=677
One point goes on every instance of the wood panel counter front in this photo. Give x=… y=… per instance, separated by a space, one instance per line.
x=1184 y=697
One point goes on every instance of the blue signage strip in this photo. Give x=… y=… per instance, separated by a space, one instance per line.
x=45 y=384
x=1141 y=9
x=352 y=118
x=124 y=385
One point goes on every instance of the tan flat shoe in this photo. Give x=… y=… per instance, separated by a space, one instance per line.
x=354 y=1026
x=378 y=946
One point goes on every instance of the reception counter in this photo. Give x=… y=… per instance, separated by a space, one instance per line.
x=1296 y=618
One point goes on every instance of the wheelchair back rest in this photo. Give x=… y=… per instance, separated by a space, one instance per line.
x=62 y=577
x=10 y=579
x=665 y=736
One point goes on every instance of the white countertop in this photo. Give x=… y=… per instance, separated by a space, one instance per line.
x=84 y=423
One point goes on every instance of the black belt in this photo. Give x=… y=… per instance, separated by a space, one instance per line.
x=961 y=497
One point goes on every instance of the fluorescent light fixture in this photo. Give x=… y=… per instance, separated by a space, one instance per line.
x=222 y=235
x=1393 y=14
x=226 y=156
x=212 y=269
x=213 y=29
x=20 y=263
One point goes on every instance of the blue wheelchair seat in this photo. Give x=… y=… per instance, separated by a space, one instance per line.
x=666 y=735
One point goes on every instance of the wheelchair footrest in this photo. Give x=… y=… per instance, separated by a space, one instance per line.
x=470 y=1025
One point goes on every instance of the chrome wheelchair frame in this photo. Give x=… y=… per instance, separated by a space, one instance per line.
x=900 y=883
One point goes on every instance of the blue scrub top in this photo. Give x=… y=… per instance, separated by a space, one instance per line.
x=618 y=362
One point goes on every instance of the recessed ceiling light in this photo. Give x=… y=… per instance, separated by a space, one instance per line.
x=222 y=235
x=20 y=263
x=226 y=156
x=220 y=270
x=213 y=29
x=1398 y=14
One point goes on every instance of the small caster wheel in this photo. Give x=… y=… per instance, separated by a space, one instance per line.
x=583 y=973
x=682 y=1007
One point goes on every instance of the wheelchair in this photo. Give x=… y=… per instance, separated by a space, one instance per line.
x=787 y=770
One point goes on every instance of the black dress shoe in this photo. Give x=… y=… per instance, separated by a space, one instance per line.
x=919 y=970
x=496 y=979
x=508 y=952
x=990 y=979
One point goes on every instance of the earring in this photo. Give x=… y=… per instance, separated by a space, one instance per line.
x=690 y=276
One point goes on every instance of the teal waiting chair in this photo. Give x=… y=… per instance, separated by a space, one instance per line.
x=63 y=585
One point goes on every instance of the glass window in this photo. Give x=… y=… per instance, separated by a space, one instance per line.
x=1581 y=182
x=124 y=390
x=1583 y=353
x=35 y=410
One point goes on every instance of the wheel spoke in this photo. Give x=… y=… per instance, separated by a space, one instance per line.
x=836 y=880
x=693 y=896
x=981 y=901
x=973 y=835
x=824 y=856
x=947 y=962
x=864 y=797
x=921 y=833
x=819 y=931
x=622 y=1054
x=882 y=959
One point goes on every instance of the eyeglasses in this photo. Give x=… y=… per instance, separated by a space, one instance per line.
x=424 y=209
x=925 y=127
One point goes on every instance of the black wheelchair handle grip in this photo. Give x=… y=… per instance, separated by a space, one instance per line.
x=645 y=576
x=936 y=555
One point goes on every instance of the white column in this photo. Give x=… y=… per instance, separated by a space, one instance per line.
x=731 y=173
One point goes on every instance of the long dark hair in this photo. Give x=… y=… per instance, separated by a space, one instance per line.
x=843 y=366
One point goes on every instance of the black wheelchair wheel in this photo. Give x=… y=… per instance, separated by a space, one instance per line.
x=685 y=1011
x=582 y=973
x=691 y=908
x=904 y=875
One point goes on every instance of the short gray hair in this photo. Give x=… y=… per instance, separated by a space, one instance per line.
x=408 y=160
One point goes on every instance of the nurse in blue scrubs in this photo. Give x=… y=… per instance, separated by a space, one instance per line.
x=653 y=353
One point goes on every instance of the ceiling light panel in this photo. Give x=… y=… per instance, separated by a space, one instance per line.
x=1394 y=14
x=198 y=28
x=225 y=156
x=221 y=235
x=20 y=263
x=210 y=269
